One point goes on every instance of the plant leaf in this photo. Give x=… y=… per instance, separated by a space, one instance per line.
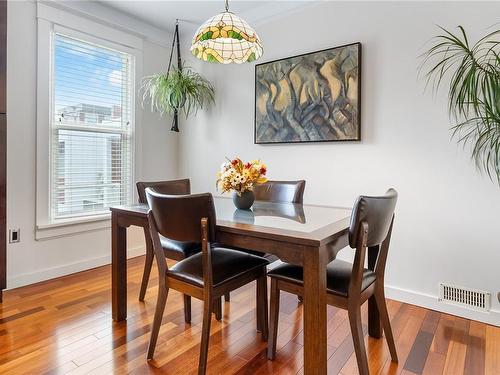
x=179 y=89
x=473 y=94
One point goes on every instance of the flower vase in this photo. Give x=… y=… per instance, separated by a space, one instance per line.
x=244 y=200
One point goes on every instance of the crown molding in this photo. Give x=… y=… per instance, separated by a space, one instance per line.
x=112 y=17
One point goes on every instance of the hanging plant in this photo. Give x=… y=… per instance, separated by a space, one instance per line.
x=473 y=93
x=178 y=90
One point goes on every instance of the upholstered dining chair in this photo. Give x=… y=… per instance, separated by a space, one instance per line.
x=176 y=250
x=280 y=191
x=349 y=285
x=206 y=275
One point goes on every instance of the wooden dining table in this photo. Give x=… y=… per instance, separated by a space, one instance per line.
x=305 y=235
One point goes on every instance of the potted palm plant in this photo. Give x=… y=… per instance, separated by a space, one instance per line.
x=473 y=93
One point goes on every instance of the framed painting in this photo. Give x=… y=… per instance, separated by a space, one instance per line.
x=314 y=97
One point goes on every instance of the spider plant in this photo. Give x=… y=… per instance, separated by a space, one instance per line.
x=179 y=89
x=473 y=93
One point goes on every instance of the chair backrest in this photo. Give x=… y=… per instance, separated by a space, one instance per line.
x=377 y=212
x=371 y=226
x=280 y=191
x=182 y=218
x=178 y=217
x=172 y=187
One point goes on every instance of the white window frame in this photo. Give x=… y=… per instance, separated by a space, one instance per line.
x=50 y=21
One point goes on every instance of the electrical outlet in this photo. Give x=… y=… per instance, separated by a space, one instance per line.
x=14 y=235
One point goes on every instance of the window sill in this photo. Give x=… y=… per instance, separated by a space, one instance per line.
x=68 y=227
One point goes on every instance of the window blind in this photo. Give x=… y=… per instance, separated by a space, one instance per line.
x=91 y=130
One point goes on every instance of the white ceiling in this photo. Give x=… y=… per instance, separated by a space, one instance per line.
x=162 y=14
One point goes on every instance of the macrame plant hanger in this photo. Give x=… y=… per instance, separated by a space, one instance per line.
x=175 y=41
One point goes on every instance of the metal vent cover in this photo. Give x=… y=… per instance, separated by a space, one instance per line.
x=471 y=298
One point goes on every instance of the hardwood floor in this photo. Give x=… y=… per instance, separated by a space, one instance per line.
x=64 y=326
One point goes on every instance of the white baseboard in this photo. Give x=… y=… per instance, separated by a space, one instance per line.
x=66 y=269
x=431 y=302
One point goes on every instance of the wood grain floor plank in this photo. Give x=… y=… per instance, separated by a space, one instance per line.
x=457 y=350
x=405 y=339
x=420 y=350
x=492 y=354
x=476 y=347
x=442 y=336
x=21 y=314
x=436 y=358
x=434 y=364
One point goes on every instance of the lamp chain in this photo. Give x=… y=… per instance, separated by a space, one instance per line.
x=227 y=5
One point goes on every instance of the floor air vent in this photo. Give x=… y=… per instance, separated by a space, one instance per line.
x=473 y=299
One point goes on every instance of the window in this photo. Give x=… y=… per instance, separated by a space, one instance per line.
x=90 y=127
x=87 y=140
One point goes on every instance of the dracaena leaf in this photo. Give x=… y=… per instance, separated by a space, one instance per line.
x=472 y=73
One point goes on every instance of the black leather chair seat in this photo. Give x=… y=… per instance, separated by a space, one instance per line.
x=226 y=265
x=179 y=249
x=338 y=275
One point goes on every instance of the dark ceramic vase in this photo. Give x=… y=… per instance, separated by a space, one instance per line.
x=243 y=201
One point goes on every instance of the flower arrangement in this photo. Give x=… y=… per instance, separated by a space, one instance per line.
x=239 y=176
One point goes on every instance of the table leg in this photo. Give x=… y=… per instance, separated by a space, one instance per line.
x=118 y=269
x=374 y=326
x=315 y=342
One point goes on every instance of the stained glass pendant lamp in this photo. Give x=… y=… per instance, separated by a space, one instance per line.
x=226 y=38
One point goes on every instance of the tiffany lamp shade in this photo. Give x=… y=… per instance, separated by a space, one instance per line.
x=226 y=38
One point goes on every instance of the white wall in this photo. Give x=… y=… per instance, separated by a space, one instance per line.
x=447 y=222
x=31 y=261
x=159 y=144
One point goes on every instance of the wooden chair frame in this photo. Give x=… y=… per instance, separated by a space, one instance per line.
x=210 y=295
x=181 y=186
x=352 y=303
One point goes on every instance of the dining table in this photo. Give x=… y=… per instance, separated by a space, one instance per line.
x=306 y=235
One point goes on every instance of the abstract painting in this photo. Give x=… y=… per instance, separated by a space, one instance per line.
x=313 y=97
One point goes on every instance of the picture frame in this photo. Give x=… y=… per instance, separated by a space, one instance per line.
x=311 y=97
